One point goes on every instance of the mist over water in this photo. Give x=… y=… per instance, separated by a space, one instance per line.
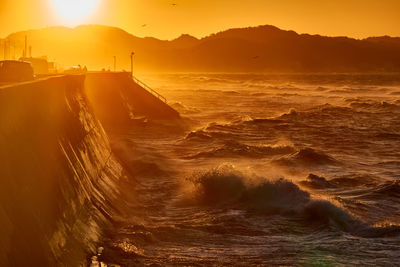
x=264 y=169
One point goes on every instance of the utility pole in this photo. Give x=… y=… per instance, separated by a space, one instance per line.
x=9 y=49
x=5 y=49
x=26 y=47
x=115 y=63
x=133 y=53
x=14 y=46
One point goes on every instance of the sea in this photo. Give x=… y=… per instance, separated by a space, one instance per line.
x=262 y=170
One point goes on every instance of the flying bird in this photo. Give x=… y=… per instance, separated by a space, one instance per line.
x=144 y=25
x=256 y=57
x=174 y=4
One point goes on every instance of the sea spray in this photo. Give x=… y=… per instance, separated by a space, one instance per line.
x=226 y=187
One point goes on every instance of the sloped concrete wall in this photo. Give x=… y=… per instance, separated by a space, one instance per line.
x=57 y=174
x=117 y=99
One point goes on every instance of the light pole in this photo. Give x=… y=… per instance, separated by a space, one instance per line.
x=5 y=49
x=133 y=53
x=115 y=63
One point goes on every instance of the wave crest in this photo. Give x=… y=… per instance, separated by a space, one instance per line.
x=316 y=182
x=307 y=157
x=375 y=106
x=236 y=149
x=227 y=187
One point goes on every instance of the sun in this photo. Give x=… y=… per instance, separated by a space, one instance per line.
x=74 y=11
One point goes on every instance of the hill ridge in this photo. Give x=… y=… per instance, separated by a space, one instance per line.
x=263 y=48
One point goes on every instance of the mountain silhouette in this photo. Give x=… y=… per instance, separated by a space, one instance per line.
x=254 y=49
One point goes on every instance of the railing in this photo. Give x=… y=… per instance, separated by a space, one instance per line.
x=148 y=88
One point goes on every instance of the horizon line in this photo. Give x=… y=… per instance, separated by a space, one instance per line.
x=198 y=38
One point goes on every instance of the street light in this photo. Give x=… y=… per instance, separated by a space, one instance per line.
x=133 y=53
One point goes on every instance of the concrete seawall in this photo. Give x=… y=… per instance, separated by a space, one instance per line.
x=117 y=99
x=57 y=174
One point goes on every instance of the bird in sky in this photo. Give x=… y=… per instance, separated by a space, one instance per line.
x=144 y=25
x=256 y=57
x=174 y=4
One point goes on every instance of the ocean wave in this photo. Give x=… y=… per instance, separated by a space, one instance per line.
x=200 y=134
x=386 y=190
x=234 y=129
x=307 y=157
x=183 y=108
x=375 y=106
x=331 y=110
x=388 y=136
x=236 y=149
x=289 y=115
x=262 y=121
x=134 y=164
x=391 y=188
x=353 y=180
x=318 y=113
x=358 y=91
x=316 y=182
x=208 y=79
x=288 y=94
x=212 y=132
x=259 y=94
x=224 y=186
x=231 y=92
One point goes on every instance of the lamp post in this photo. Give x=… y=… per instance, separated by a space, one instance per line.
x=26 y=47
x=115 y=63
x=5 y=49
x=132 y=54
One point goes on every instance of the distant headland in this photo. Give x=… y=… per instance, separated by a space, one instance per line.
x=254 y=49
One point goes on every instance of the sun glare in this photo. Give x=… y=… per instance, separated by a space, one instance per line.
x=74 y=11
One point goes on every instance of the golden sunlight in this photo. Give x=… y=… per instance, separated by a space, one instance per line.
x=74 y=11
x=199 y=133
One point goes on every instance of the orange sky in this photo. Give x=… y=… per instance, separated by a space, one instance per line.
x=355 y=18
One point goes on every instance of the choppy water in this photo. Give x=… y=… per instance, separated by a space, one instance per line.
x=265 y=170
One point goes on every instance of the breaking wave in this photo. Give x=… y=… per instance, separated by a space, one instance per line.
x=226 y=187
x=317 y=182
